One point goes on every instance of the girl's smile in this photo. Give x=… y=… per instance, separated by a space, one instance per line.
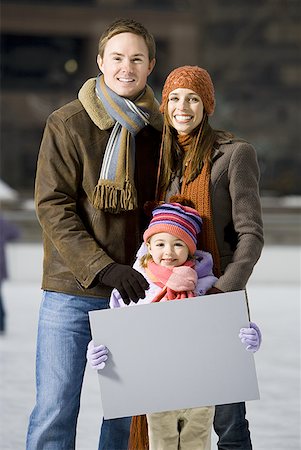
x=167 y=250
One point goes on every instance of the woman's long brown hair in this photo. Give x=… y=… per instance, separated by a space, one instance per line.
x=172 y=160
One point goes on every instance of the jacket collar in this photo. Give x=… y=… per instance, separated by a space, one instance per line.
x=223 y=139
x=98 y=113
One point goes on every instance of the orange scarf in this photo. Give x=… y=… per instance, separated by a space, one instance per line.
x=138 y=434
x=198 y=191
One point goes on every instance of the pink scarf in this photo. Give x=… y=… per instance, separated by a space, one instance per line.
x=176 y=282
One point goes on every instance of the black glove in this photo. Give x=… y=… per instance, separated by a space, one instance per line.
x=130 y=283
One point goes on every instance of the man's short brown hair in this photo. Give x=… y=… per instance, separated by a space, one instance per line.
x=127 y=26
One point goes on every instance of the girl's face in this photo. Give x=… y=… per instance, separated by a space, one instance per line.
x=185 y=110
x=167 y=250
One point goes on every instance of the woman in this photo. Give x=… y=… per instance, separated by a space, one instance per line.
x=219 y=173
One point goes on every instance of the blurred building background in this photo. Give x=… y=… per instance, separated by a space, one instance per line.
x=251 y=49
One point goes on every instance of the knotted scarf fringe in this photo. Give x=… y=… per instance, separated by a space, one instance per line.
x=111 y=199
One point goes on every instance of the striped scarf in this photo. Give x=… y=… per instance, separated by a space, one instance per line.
x=115 y=191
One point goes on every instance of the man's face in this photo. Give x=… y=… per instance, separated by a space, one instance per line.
x=125 y=64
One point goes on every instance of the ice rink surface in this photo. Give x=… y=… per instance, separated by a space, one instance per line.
x=274 y=298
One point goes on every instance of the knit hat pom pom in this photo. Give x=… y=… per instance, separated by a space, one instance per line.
x=150 y=205
x=178 y=198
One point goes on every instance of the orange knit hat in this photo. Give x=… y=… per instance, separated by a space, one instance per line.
x=194 y=78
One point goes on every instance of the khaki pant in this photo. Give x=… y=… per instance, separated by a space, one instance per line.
x=184 y=429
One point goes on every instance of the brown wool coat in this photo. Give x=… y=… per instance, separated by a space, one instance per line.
x=236 y=211
x=79 y=240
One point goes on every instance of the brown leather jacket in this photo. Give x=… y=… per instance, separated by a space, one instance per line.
x=79 y=240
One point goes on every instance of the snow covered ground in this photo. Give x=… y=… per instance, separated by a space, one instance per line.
x=274 y=297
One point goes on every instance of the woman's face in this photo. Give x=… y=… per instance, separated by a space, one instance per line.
x=185 y=110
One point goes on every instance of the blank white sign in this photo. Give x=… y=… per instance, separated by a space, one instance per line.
x=174 y=355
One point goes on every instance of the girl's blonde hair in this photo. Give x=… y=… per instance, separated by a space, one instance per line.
x=145 y=259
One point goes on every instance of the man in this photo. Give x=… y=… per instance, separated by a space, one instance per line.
x=96 y=168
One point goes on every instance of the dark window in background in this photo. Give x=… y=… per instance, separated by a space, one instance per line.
x=39 y=62
x=162 y=67
x=38 y=75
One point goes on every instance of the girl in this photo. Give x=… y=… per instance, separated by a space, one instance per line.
x=174 y=269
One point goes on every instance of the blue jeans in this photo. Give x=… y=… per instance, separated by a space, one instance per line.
x=63 y=336
x=232 y=427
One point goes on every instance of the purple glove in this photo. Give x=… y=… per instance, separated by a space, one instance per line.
x=251 y=337
x=97 y=356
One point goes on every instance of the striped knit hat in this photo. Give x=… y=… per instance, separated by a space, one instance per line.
x=194 y=78
x=180 y=221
